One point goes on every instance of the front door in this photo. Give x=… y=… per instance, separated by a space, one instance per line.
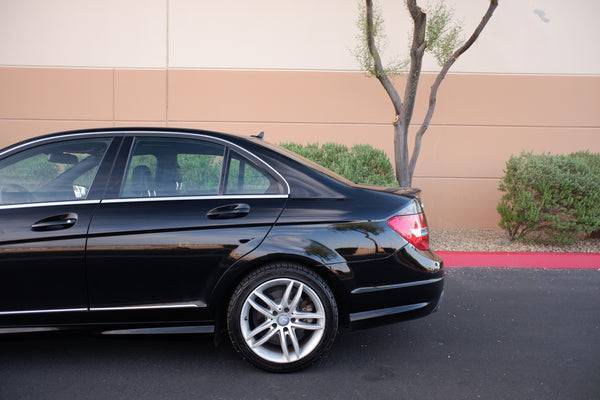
x=48 y=194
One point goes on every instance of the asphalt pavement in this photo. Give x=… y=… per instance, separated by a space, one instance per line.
x=500 y=334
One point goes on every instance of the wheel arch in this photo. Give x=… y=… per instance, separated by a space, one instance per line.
x=226 y=285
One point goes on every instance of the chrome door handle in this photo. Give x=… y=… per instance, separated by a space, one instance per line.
x=229 y=211
x=56 y=222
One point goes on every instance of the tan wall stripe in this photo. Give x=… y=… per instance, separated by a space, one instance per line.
x=480 y=121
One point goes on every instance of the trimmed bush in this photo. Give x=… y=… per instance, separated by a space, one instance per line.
x=360 y=164
x=550 y=198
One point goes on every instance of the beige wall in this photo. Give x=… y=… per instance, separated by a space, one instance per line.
x=480 y=121
x=84 y=33
x=524 y=36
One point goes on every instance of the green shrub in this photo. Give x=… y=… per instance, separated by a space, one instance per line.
x=360 y=164
x=550 y=198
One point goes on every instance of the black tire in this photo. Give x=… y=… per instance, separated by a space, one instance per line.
x=282 y=303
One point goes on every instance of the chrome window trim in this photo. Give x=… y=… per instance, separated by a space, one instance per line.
x=48 y=204
x=43 y=311
x=199 y=197
x=214 y=139
x=273 y=170
x=59 y=137
x=149 y=133
x=233 y=145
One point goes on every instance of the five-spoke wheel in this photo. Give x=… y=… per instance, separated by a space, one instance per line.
x=282 y=317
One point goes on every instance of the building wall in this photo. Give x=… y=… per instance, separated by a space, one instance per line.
x=286 y=68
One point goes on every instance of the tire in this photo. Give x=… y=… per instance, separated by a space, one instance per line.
x=282 y=303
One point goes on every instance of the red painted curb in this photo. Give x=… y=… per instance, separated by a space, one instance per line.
x=521 y=260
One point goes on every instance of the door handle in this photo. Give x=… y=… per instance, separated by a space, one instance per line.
x=56 y=222
x=229 y=211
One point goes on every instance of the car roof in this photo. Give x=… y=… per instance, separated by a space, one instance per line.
x=127 y=131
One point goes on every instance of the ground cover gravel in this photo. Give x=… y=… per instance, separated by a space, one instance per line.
x=496 y=240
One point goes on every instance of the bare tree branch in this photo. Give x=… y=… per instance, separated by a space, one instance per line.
x=404 y=108
x=441 y=76
x=379 y=70
x=417 y=51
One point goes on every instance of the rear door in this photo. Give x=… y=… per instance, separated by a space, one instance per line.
x=178 y=213
x=48 y=194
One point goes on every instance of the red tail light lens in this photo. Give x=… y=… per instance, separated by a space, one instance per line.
x=413 y=228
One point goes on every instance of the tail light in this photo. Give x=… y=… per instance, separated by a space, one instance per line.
x=413 y=228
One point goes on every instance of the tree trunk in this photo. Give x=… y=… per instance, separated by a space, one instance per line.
x=401 y=154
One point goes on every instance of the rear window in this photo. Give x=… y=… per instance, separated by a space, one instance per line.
x=305 y=161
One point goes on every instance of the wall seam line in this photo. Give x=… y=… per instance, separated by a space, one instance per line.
x=168 y=5
x=114 y=96
x=365 y=124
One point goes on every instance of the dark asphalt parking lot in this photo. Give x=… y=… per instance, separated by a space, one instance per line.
x=500 y=334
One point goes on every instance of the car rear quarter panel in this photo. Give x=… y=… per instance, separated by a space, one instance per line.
x=346 y=240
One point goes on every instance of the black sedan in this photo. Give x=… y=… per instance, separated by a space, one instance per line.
x=167 y=229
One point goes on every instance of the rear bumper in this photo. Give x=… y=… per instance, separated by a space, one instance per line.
x=427 y=299
x=416 y=293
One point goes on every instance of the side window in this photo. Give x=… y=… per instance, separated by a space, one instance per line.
x=141 y=171
x=173 y=167
x=59 y=171
x=244 y=177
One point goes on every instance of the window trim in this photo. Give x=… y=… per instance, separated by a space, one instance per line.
x=134 y=133
x=113 y=146
x=228 y=148
x=16 y=148
x=225 y=173
x=49 y=204
x=195 y=198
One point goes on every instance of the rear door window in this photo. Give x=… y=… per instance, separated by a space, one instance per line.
x=166 y=167
x=173 y=167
